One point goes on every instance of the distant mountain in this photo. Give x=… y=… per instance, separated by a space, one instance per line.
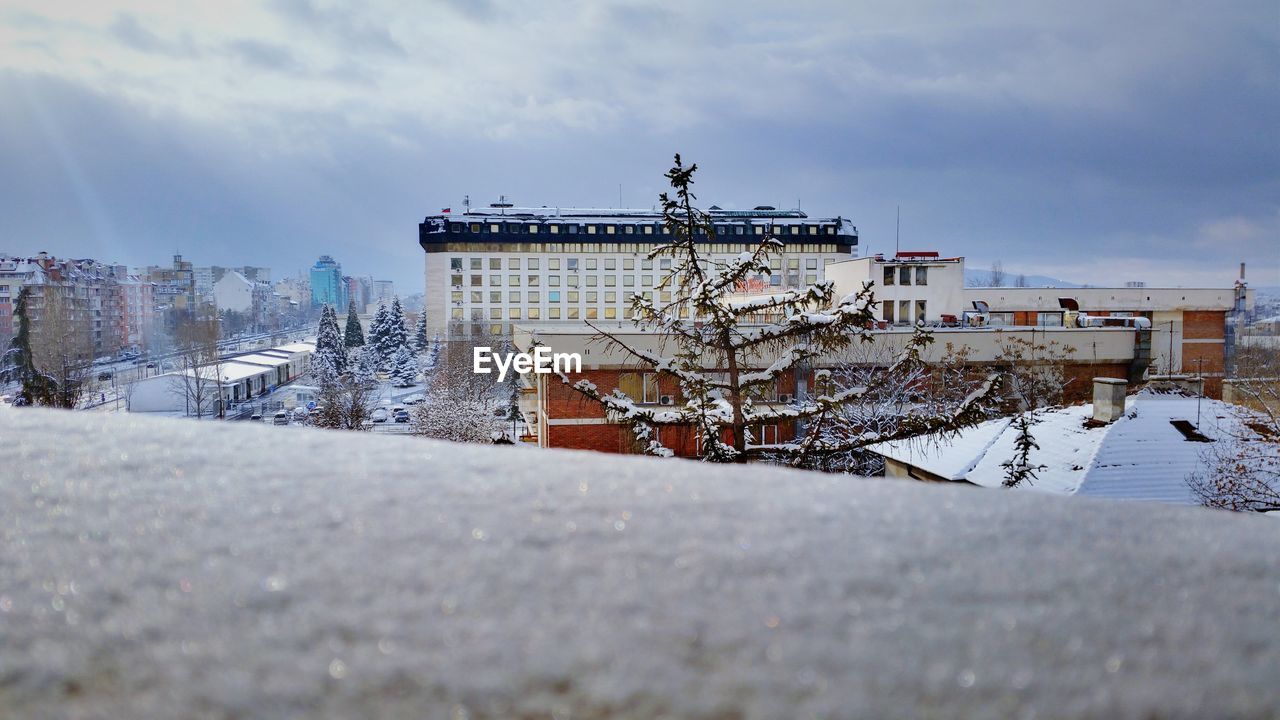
x=982 y=278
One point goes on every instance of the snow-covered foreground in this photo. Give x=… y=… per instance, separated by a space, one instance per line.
x=153 y=568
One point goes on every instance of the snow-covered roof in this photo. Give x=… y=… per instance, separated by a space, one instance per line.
x=1140 y=456
x=297 y=347
x=263 y=359
x=154 y=568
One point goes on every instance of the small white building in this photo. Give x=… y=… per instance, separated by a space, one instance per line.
x=911 y=286
x=239 y=378
x=233 y=292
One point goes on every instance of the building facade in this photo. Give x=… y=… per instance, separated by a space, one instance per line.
x=327 y=285
x=486 y=270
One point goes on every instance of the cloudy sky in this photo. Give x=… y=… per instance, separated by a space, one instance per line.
x=1092 y=141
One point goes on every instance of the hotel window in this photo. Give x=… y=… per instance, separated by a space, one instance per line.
x=495 y=313
x=555 y=229
x=664 y=297
x=513 y=296
x=533 y=264
x=591 y=281
x=534 y=297
x=477 y=296
x=810 y=279
x=495 y=280
x=533 y=313
x=648 y=229
x=609 y=229
x=922 y=276
x=495 y=329
x=513 y=263
x=553 y=280
x=648 y=295
x=572 y=263
x=904 y=311
x=592 y=313
x=629 y=229
x=495 y=296
x=455 y=227
x=495 y=263
x=793 y=263
x=628 y=281
x=611 y=313
x=886 y=311
x=455 y=296
x=664 y=264
x=553 y=263
x=553 y=296
x=813 y=229
x=888 y=275
x=513 y=313
x=494 y=228
x=533 y=280
x=571 y=281
x=610 y=264
x=573 y=296
x=571 y=229
x=533 y=229
x=553 y=313
x=646 y=264
x=476 y=263
x=591 y=263
x=904 y=276
x=795 y=229
x=573 y=313
x=456 y=314
x=611 y=297
x=592 y=296
x=513 y=281
x=610 y=280
x=628 y=264
x=591 y=229
x=646 y=280
x=811 y=264
x=476 y=280
x=455 y=263
x=475 y=227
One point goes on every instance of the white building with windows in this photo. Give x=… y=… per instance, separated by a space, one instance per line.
x=911 y=286
x=487 y=269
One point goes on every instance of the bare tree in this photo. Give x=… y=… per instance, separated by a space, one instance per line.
x=1020 y=281
x=1035 y=381
x=459 y=405
x=62 y=343
x=1242 y=468
x=997 y=277
x=199 y=374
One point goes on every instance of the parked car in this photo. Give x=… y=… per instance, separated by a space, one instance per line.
x=104 y=376
x=256 y=416
x=402 y=416
x=281 y=418
x=151 y=366
x=412 y=400
x=379 y=415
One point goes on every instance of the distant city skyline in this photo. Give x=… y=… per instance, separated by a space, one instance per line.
x=1089 y=142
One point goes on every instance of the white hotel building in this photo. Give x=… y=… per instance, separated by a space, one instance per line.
x=489 y=268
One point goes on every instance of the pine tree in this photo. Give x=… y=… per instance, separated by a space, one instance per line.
x=365 y=365
x=378 y=334
x=396 y=335
x=420 y=340
x=404 y=367
x=19 y=362
x=329 y=340
x=1019 y=469
x=717 y=348
x=354 y=335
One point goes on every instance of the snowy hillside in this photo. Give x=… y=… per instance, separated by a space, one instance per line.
x=153 y=568
x=982 y=278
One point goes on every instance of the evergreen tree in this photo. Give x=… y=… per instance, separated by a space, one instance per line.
x=396 y=335
x=329 y=340
x=716 y=346
x=19 y=363
x=378 y=334
x=1019 y=469
x=404 y=367
x=365 y=365
x=354 y=335
x=420 y=340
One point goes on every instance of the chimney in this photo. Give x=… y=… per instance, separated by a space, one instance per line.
x=1108 y=399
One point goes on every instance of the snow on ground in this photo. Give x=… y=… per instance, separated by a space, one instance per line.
x=153 y=568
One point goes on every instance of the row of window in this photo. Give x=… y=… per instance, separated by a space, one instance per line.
x=476 y=281
x=907 y=311
x=521 y=228
x=903 y=273
x=573 y=264
x=625 y=248
x=515 y=297
x=552 y=313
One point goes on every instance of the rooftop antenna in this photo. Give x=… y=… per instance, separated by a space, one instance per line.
x=466 y=204
x=897 y=230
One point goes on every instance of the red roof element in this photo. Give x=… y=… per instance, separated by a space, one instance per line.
x=917 y=253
